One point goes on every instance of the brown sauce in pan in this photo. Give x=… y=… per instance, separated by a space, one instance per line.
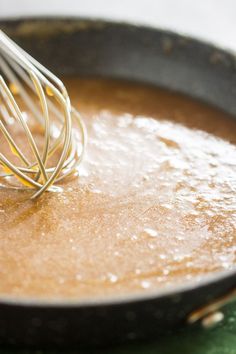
x=154 y=206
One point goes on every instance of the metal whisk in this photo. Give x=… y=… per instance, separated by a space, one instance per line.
x=46 y=98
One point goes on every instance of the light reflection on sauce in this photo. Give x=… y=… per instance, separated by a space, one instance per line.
x=154 y=205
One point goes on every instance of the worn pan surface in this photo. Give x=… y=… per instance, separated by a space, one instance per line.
x=89 y=47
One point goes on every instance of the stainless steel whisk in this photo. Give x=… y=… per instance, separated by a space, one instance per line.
x=22 y=76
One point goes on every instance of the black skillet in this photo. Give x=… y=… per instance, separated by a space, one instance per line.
x=88 y=47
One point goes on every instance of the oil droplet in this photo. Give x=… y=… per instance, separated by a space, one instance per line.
x=78 y=276
x=145 y=284
x=134 y=237
x=178 y=258
x=97 y=191
x=152 y=246
x=179 y=238
x=112 y=277
x=167 y=206
x=226 y=265
x=225 y=261
x=151 y=232
x=162 y=256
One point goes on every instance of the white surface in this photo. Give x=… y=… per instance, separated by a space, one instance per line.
x=212 y=20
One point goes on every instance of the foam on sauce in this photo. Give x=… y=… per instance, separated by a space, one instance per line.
x=154 y=204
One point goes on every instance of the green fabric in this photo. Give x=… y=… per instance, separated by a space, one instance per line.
x=193 y=340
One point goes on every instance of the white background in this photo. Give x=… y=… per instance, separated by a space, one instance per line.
x=212 y=20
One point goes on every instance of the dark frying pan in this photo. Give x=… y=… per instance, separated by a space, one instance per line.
x=89 y=47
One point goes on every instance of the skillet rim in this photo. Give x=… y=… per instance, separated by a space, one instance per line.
x=172 y=291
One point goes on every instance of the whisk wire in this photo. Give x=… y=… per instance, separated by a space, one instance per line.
x=27 y=75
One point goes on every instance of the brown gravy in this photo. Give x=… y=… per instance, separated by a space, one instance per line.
x=154 y=204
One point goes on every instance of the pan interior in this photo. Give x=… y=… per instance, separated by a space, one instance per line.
x=152 y=206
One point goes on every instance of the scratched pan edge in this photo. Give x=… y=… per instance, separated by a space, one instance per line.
x=169 y=60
